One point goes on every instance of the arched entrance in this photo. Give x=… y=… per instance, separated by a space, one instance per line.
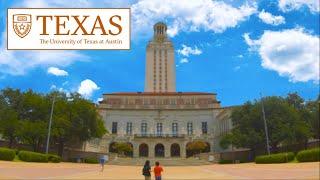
x=175 y=150
x=188 y=151
x=159 y=150
x=143 y=150
x=207 y=149
x=112 y=148
x=129 y=153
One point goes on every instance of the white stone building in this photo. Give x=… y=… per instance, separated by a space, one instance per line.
x=160 y=122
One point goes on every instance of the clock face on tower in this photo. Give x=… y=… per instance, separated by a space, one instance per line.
x=160 y=39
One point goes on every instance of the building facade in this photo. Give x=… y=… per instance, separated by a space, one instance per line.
x=160 y=122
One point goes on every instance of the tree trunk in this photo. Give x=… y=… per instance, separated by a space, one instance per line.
x=253 y=156
x=10 y=142
x=61 y=147
x=38 y=145
x=35 y=147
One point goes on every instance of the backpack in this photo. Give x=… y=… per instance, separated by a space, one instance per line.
x=145 y=171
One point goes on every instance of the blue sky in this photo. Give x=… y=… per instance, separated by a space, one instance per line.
x=236 y=49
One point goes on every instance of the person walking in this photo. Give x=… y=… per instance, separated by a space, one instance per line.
x=146 y=170
x=103 y=160
x=157 y=171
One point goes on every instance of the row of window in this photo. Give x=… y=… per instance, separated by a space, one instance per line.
x=159 y=128
x=160 y=70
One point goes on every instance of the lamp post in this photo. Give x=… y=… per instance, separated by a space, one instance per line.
x=265 y=125
x=50 y=122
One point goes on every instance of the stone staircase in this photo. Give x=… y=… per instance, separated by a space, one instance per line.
x=163 y=161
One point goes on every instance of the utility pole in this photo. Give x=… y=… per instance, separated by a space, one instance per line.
x=50 y=122
x=265 y=125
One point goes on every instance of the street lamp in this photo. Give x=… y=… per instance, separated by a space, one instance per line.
x=50 y=122
x=265 y=125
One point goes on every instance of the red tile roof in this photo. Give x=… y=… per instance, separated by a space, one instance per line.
x=159 y=93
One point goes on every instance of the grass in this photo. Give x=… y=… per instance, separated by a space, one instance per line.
x=16 y=159
x=294 y=160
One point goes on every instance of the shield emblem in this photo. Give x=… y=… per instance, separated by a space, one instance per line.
x=22 y=24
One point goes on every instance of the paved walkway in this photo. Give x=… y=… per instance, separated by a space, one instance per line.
x=22 y=170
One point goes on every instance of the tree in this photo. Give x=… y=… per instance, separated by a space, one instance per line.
x=9 y=125
x=33 y=133
x=312 y=116
x=308 y=110
x=10 y=106
x=284 y=123
x=24 y=116
x=123 y=148
x=226 y=141
x=295 y=100
x=196 y=147
x=75 y=120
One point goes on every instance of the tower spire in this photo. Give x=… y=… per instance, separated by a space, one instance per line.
x=160 y=67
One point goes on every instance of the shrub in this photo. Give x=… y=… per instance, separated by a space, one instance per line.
x=225 y=161
x=309 y=155
x=54 y=158
x=91 y=160
x=32 y=156
x=275 y=158
x=7 y=154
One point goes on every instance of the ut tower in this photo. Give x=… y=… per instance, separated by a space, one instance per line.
x=160 y=67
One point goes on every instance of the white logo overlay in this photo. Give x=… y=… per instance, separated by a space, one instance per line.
x=64 y=29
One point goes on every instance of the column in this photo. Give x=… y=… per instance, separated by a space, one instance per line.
x=107 y=147
x=182 y=150
x=135 y=150
x=167 y=150
x=151 y=150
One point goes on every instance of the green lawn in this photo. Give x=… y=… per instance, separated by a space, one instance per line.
x=16 y=159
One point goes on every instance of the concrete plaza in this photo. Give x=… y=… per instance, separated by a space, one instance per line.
x=22 y=170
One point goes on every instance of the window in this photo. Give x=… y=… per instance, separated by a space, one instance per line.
x=159 y=129
x=189 y=128
x=204 y=127
x=114 y=127
x=174 y=129
x=129 y=128
x=143 y=129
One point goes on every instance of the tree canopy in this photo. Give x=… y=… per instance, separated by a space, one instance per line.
x=24 y=117
x=290 y=120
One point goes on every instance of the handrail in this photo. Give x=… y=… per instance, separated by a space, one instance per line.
x=161 y=135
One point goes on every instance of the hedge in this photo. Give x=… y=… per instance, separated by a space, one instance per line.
x=91 y=160
x=275 y=158
x=225 y=161
x=309 y=155
x=7 y=154
x=32 y=156
x=54 y=158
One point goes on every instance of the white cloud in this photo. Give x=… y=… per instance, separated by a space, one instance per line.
x=55 y=3
x=87 y=87
x=252 y=43
x=20 y=62
x=98 y=100
x=268 y=18
x=173 y=30
x=240 y=56
x=186 y=50
x=57 y=72
x=236 y=68
x=184 y=60
x=293 y=53
x=53 y=87
x=289 y=5
x=191 y=15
